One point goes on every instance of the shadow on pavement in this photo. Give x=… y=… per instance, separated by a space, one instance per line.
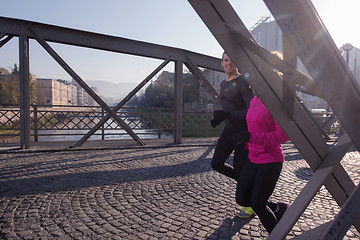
x=229 y=228
x=304 y=173
x=50 y=176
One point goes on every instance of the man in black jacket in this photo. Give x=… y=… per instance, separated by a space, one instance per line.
x=235 y=96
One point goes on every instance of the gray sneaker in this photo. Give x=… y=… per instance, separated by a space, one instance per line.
x=245 y=212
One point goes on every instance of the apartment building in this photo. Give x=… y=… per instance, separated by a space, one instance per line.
x=62 y=92
x=205 y=101
x=215 y=78
x=268 y=34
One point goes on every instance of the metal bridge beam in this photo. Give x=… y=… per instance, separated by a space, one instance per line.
x=120 y=104
x=24 y=93
x=301 y=24
x=76 y=77
x=231 y=33
x=45 y=33
x=68 y=36
x=178 y=101
x=194 y=69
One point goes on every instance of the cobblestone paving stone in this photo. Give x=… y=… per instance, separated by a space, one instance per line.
x=145 y=193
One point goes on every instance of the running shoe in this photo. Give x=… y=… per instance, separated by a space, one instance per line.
x=280 y=210
x=245 y=212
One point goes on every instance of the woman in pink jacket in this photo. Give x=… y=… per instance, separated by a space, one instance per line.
x=260 y=174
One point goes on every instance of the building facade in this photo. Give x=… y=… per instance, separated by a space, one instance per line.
x=61 y=92
x=268 y=35
x=205 y=102
x=215 y=78
x=4 y=75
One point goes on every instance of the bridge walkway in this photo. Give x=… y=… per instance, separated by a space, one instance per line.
x=118 y=190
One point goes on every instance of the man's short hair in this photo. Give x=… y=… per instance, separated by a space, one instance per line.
x=222 y=56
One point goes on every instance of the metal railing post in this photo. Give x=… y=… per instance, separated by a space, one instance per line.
x=178 y=101
x=102 y=126
x=159 y=123
x=207 y=126
x=36 y=136
x=24 y=96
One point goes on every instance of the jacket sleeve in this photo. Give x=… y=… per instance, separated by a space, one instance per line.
x=247 y=94
x=269 y=138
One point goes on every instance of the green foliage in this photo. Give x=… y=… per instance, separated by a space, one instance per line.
x=134 y=101
x=191 y=90
x=12 y=87
x=4 y=93
x=15 y=70
x=159 y=94
x=9 y=89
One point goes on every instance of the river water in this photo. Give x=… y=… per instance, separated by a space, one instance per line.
x=112 y=132
x=69 y=135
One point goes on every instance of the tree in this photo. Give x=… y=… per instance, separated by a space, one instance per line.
x=160 y=94
x=13 y=86
x=4 y=71
x=9 y=88
x=134 y=101
x=15 y=70
x=191 y=90
x=4 y=93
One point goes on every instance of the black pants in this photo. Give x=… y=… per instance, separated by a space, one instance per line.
x=224 y=147
x=254 y=188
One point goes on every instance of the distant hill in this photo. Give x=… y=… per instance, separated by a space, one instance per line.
x=112 y=92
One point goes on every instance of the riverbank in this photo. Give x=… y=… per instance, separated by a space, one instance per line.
x=9 y=139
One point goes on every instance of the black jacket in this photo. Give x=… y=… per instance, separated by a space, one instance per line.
x=235 y=96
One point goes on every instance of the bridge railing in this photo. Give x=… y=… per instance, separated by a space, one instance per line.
x=59 y=121
x=45 y=35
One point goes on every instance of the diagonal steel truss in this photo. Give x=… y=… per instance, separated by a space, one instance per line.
x=304 y=36
x=45 y=34
x=77 y=78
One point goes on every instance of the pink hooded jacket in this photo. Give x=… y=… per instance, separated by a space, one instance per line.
x=266 y=134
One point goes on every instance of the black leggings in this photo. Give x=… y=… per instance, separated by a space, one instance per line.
x=224 y=147
x=254 y=188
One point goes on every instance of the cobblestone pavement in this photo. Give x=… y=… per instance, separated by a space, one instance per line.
x=145 y=193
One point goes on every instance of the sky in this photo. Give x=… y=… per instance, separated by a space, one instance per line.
x=166 y=22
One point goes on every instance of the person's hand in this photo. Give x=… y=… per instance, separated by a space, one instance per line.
x=214 y=122
x=219 y=116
